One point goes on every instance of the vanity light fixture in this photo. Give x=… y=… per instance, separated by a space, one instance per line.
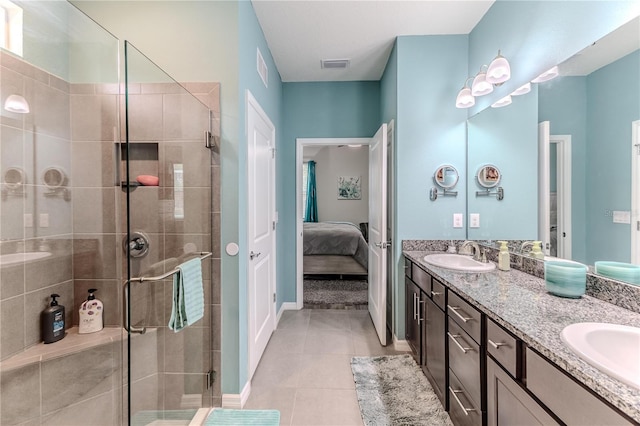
x=480 y=85
x=17 y=104
x=522 y=90
x=547 y=75
x=465 y=99
x=502 y=102
x=499 y=70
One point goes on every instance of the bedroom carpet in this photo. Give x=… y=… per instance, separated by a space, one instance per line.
x=392 y=390
x=335 y=294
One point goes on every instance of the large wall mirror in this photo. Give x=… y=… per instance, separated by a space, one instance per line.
x=589 y=111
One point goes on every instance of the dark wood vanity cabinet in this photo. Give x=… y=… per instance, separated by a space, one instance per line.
x=435 y=346
x=413 y=317
x=466 y=362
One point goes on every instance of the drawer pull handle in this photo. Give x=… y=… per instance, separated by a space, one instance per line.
x=496 y=345
x=455 y=309
x=455 y=393
x=462 y=348
x=436 y=293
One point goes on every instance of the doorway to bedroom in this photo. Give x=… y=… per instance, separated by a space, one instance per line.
x=333 y=209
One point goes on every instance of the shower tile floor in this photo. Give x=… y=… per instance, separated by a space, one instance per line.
x=305 y=371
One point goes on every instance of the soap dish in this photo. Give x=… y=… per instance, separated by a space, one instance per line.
x=620 y=271
x=565 y=279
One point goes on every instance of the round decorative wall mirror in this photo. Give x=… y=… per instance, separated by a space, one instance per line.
x=446 y=176
x=488 y=176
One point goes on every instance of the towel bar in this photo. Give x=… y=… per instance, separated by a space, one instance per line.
x=142 y=330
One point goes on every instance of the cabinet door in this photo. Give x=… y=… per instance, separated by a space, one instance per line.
x=412 y=316
x=436 y=356
x=508 y=404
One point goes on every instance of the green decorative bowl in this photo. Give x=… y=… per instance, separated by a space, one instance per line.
x=620 y=271
x=565 y=279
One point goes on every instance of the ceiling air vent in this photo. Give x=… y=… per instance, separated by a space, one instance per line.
x=335 y=63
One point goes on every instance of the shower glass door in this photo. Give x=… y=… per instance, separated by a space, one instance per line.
x=166 y=191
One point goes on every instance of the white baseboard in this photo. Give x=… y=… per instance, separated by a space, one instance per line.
x=237 y=401
x=286 y=306
x=401 y=345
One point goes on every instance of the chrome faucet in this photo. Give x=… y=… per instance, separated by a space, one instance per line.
x=525 y=245
x=466 y=247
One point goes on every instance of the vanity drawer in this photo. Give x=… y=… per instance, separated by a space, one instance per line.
x=566 y=398
x=438 y=293
x=407 y=267
x=421 y=278
x=462 y=409
x=503 y=347
x=464 y=360
x=468 y=317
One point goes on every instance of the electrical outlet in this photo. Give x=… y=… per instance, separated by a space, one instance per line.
x=44 y=220
x=621 y=216
x=457 y=220
x=474 y=220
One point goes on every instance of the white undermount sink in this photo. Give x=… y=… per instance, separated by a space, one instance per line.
x=458 y=262
x=13 y=258
x=611 y=348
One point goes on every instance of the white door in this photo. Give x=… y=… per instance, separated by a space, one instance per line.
x=260 y=230
x=378 y=232
x=544 y=219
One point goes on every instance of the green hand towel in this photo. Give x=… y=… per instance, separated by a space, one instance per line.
x=188 y=295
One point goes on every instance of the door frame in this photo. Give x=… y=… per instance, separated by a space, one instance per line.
x=300 y=144
x=252 y=103
x=563 y=176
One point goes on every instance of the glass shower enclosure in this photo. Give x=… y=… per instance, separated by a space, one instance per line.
x=106 y=168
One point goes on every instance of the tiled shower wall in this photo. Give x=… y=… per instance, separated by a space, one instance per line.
x=72 y=127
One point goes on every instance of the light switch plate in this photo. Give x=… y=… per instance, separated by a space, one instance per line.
x=28 y=220
x=457 y=220
x=621 y=216
x=474 y=220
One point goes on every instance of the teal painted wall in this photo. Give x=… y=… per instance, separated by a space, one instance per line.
x=235 y=296
x=613 y=103
x=597 y=111
x=506 y=137
x=430 y=131
x=536 y=35
x=315 y=110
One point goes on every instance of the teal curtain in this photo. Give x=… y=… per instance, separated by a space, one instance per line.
x=311 y=208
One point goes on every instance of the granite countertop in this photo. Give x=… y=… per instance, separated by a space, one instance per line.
x=520 y=303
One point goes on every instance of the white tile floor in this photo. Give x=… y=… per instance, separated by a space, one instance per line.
x=305 y=371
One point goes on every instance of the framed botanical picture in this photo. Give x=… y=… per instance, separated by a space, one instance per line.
x=349 y=187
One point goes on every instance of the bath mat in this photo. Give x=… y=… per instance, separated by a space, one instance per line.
x=168 y=417
x=392 y=390
x=335 y=294
x=228 y=417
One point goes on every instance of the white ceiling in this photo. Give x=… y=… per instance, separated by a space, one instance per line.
x=301 y=33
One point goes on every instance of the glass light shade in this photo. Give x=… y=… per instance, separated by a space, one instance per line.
x=499 y=70
x=17 y=104
x=547 y=75
x=465 y=99
x=502 y=102
x=480 y=85
x=522 y=90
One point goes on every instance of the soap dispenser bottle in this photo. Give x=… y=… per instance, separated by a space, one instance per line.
x=52 y=321
x=536 y=250
x=90 y=314
x=504 y=260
